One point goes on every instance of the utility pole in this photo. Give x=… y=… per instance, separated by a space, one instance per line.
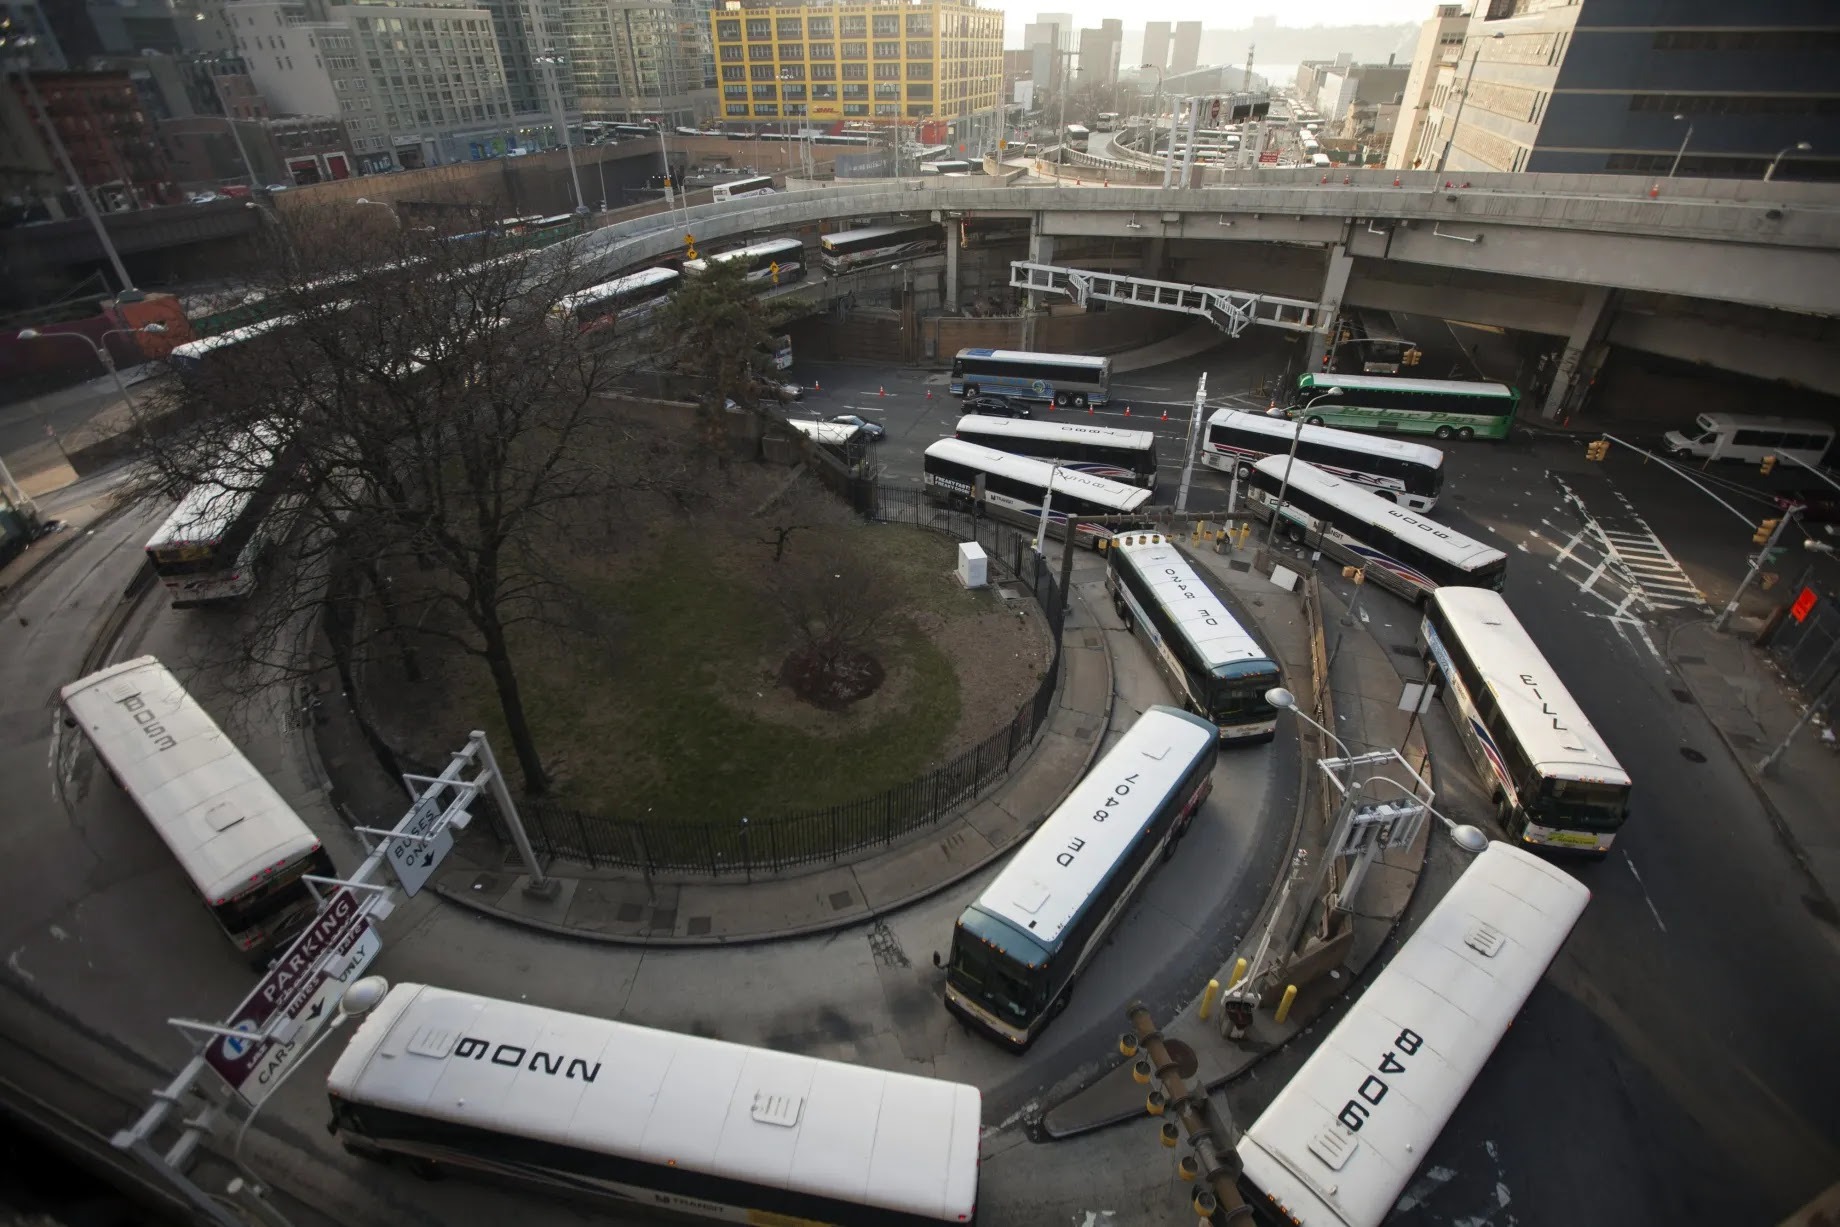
x=1194 y=436
x=1769 y=544
x=76 y=185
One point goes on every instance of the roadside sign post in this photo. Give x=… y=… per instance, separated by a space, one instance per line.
x=256 y=1047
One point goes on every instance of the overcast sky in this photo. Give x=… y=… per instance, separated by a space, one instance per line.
x=1218 y=15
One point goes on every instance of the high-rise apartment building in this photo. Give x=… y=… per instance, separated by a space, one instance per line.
x=1156 y=44
x=634 y=59
x=1046 y=41
x=885 y=61
x=1440 y=40
x=1185 y=51
x=1099 y=53
x=1637 y=85
x=105 y=129
x=1063 y=24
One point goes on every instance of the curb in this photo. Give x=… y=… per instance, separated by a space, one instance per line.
x=842 y=922
x=1784 y=834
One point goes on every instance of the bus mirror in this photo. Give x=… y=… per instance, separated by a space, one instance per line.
x=937 y=961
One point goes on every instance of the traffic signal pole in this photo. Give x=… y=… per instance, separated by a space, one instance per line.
x=1763 y=555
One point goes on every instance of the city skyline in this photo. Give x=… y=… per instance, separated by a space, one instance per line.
x=1018 y=13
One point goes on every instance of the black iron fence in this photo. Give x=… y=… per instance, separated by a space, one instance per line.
x=743 y=846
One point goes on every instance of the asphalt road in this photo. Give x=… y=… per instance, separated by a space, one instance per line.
x=1677 y=1064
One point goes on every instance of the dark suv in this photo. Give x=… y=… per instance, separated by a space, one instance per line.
x=996 y=407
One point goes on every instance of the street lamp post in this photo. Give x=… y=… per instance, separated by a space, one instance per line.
x=1156 y=112
x=359 y=999
x=1271 y=530
x=101 y=349
x=1462 y=101
x=1799 y=147
x=552 y=61
x=1681 y=152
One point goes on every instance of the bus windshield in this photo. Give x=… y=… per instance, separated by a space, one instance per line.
x=1583 y=804
x=994 y=982
x=1241 y=695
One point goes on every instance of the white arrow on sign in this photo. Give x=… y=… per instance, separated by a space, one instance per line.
x=314 y=1014
x=415 y=860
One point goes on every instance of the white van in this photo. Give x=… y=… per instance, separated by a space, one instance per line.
x=1739 y=436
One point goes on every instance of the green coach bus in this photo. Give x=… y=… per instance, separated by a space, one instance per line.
x=1447 y=408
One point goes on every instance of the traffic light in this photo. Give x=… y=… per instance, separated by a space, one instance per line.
x=689 y=246
x=1764 y=532
x=1769 y=462
x=774 y=269
x=1411 y=357
x=1597 y=449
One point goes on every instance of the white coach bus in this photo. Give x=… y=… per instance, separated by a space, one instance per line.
x=1553 y=777
x=1017 y=949
x=1411 y=474
x=679 y=1123
x=1339 y=1143
x=1121 y=455
x=244 y=849
x=961 y=474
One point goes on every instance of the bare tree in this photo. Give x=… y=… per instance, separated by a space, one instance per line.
x=432 y=427
x=838 y=609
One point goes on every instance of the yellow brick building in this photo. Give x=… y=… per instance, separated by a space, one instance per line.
x=877 y=62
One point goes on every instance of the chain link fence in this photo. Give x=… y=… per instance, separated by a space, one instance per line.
x=1807 y=649
x=745 y=846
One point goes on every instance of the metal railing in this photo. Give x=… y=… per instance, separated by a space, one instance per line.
x=828 y=833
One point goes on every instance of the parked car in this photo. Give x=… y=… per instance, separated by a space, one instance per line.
x=996 y=407
x=272 y=188
x=872 y=431
x=207 y=198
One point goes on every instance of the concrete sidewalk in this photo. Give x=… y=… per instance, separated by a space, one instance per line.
x=75 y=519
x=628 y=908
x=1364 y=689
x=1753 y=709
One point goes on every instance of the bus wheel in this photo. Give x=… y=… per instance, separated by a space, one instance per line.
x=1079 y=402
x=1442 y=432
x=971 y=390
x=1294 y=532
x=1315 y=420
x=1060 y=398
x=1465 y=432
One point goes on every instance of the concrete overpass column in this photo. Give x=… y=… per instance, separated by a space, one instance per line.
x=1585 y=329
x=1335 y=284
x=951 y=270
x=1152 y=266
x=1041 y=251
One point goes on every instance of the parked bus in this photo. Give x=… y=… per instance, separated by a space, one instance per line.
x=1399 y=549
x=1211 y=654
x=1012 y=488
x=1743 y=436
x=1066 y=379
x=212 y=545
x=1107 y=122
x=243 y=848
x=195 y=356
x=1411 y=474
x=1339 y=1144
x=1122 y=455
x=943 y=167
x=1554 y=781
x=1018 y=948
x=1371 y=339
x=1441 y=407
x=759 y=259
x=678 y=1123
x=734 y=189
x=1076 y=137
x=624 y=300
x=852 y=249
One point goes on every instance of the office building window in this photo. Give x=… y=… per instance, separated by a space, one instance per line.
x=765 y=109
x=919 y=72
x=855 y=108
x=792 y=93
x=887 y=72
x=728 y=31
x=733 y=109
x=759 y=30
x=887 y=25
x=795 y=108
x=763 y=72
x=734 y=72
x=887 y=108
x=1736 y=104
x=919 y=25
x=824 y=51
x=760 y=51
x=765 y=93
x=856 y=51
x=730 y=52
x=888 y=51
x=792 y=51
x=919 y=50
x=819 y=27
x=855 y=91
x=735 y=91
x=790 y=27
x=888 y=91
x=919 y=112
x=853 y=27
x=823 y=72
x=855 y=72
x=824 y=93
x=919 y=93
x=792 y=72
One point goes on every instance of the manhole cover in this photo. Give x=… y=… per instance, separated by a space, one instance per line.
x=1682 y=695
x=1692 y=755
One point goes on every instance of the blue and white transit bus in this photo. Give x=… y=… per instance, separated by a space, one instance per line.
x=735 y=189
x=1016 y=951
x=1006 y=487
x=1341 y=1141
x=674 y=1123
x=1410 y=474
x=1074 y=380
x=1122 y=455
x=1212 y=656
x=1554 y=781
x=845 y=250
x=1398 y=549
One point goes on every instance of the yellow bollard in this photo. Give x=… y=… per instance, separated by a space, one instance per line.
x=1196 y=540
x=1207 y=998
x=1284 y=1005
x=1239 y=973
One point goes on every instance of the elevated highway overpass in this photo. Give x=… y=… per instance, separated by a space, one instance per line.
x=1744 y=276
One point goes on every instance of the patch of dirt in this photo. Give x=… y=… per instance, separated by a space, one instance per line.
x=833 y=686
x=1000 y=657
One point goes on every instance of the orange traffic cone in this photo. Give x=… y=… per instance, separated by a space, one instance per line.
x=1165 y=415
x=929 y=394
x=880 y=390
x=1127 y=411
x=1089 y=409
x=1395 y=180
x=816 y=386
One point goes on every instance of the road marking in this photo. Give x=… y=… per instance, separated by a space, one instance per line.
x=1643 y=887
x=1624 y=624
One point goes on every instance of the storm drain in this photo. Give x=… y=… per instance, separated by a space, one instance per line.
x=841 y=900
